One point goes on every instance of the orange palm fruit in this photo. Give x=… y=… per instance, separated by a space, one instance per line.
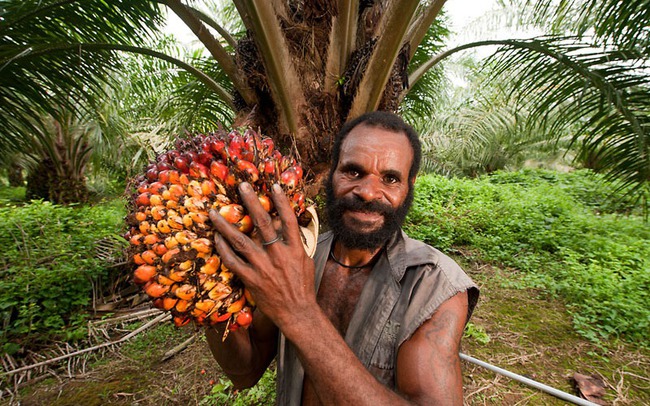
x=144 y=273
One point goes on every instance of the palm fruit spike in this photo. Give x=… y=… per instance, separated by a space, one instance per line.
x=170 y=234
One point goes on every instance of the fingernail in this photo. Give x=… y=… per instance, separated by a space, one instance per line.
x=277 y=188
x=245 y=187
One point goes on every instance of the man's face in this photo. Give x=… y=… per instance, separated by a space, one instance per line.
x=370 y=192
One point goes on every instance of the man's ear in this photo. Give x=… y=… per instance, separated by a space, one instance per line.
x=413 y=179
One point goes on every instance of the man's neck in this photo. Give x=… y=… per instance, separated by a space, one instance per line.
x=353 y=257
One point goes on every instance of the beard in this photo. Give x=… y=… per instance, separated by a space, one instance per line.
x=349 y=234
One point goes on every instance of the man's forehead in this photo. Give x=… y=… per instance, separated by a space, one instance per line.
x=374 y=136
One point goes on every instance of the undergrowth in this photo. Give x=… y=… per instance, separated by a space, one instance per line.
x=48 y=269
x=559 y=230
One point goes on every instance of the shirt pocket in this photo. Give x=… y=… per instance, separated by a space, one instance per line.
x=382 y=362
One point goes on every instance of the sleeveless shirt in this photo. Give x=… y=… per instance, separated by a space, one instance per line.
x=405 y=287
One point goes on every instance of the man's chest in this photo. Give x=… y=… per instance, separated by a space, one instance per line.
x=339 y=293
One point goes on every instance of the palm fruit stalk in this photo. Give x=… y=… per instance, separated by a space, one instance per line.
x=170 y=235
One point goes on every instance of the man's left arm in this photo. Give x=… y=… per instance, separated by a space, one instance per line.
x=428 y=365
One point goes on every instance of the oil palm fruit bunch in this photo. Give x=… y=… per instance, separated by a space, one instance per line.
x=170 y=234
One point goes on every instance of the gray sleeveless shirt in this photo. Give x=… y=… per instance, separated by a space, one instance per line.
x=405 y=287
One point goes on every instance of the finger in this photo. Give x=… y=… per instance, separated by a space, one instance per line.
x=231 y=260
x=237 y=240
x=261 y=219
x=290 y=229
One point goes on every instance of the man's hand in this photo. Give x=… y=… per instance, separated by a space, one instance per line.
x=277 y=272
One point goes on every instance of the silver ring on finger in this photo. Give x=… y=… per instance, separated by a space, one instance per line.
x=277 y=238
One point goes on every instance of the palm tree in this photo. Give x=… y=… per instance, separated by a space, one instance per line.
x=300 y=69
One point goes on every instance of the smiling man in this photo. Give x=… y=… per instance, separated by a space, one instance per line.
x=376 y=317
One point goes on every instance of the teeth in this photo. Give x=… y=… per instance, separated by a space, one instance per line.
x=171 y=236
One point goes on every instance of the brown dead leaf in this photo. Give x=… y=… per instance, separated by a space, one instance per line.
x=591 y=388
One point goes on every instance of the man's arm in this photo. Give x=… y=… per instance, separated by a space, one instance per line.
x=428 y=364
x=281 y=278
x=246 y=352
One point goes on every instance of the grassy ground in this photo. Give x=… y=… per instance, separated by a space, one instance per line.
x=520 y=330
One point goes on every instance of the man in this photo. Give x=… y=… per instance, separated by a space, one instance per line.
x=376 y=317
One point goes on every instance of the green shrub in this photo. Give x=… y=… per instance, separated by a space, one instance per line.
x=49 y=267
x=537 y=222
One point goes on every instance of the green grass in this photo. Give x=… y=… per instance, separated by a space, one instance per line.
x=563 y=241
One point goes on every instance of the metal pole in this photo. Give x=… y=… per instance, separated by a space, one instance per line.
x=555 y=392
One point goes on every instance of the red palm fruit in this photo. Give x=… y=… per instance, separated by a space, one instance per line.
x=143 y=199
x=208 y=188
x=185 y=265
x=184 y=179
x=159 y=249
x=286 y=162
x=266 y=202
x=171 y=242
x=244 y=317
x=136 y=239
x=140 y=216
x=298 y=170
x=156 y=188
x=237 y=305
x=231 y=179
x=198 y=218
x=194 y=204
x=158 y=212
x=205 y=157
x=289 y=178
x=152 y=174
x=186 y=292
x=156 y=200
x=172 y=204
x=250 y=169
x=187 y=220
x=169 y=303
x=233 y=213
x=174 y=177
x=185 y=237
x=245 y=225
x=211 y=266
x=182 y=306
x=219 y=292
x=235 y=140
x=268 y=145
x=219 y=318
x=176 y=191
x=202 y=245
x=149 y=257
x=182 y=164
x=192 y=155
x=163 y=227
x=155 y=289
x=164 y=280
x=219 y=170
x=180 y=321
x=137 y=259
x=144 y=227
x=175 y=222
x=268 y=166
x=177 y=275
x=157 y=303
x=143 y=187
x=198 y=170
x=163 y=177
x=151 y=239
x=205 y=305
x=144 y=273
x=167 y=257
x=194 y=189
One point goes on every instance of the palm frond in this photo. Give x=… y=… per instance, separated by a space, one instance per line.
x=606 y=91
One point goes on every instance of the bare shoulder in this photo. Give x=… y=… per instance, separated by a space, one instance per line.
x=428 y=364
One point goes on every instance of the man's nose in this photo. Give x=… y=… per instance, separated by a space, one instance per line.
x=369 y=189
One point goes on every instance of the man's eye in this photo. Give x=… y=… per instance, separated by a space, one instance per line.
x=353 y=173
x=391 y=179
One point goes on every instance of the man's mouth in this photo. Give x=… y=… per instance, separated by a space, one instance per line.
x=365 y=216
